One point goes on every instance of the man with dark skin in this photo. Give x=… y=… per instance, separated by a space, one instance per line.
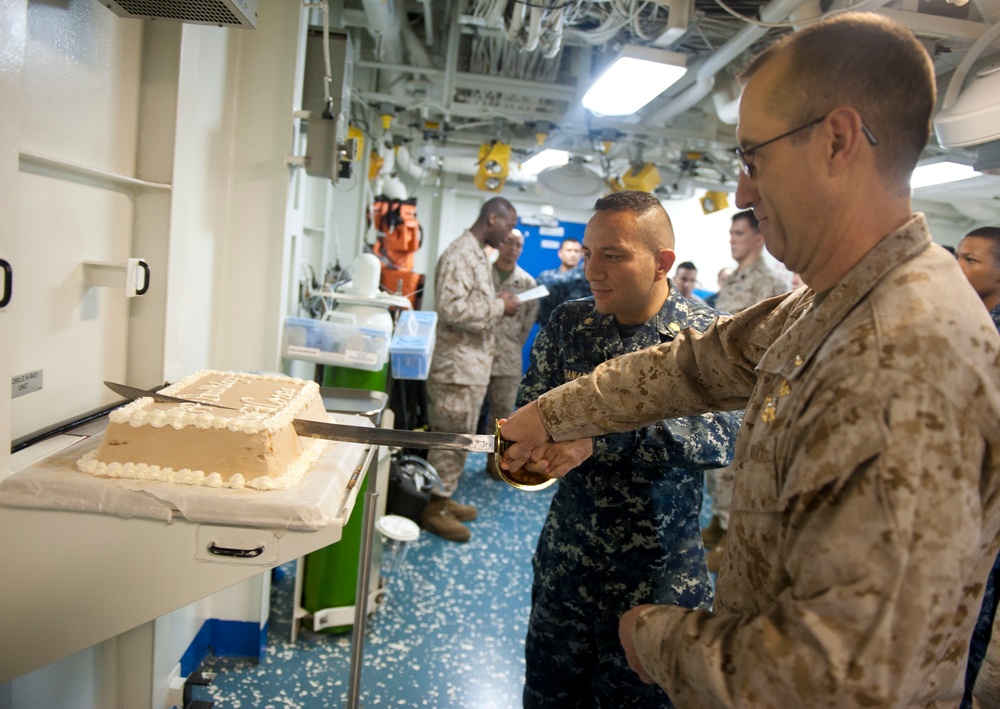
x=468 y=311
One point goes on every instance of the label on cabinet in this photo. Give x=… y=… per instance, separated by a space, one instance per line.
x=21 y=384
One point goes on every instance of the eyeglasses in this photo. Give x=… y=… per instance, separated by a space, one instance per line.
x=745 y=155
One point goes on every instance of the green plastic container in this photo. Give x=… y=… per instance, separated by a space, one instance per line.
x=331 y=574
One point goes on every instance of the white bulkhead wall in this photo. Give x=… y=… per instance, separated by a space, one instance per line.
x=124 y=138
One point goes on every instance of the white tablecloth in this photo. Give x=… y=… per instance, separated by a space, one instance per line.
x=323 y=497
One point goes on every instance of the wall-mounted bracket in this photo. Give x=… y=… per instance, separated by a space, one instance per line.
x=133 y=275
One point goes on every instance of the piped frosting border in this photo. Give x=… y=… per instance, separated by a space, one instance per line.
x=312 y=449
x=202 y=417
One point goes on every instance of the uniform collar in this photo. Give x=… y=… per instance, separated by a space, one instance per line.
x=796 y=347
x=673 y=317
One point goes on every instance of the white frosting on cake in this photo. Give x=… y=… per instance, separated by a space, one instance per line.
x=252 y=416
x=252 y=444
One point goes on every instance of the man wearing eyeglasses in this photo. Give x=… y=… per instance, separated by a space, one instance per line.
x=866 y=507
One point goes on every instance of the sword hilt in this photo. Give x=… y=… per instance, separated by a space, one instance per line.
x=522 y=479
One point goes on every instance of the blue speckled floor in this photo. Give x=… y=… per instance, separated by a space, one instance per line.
x=450 y=634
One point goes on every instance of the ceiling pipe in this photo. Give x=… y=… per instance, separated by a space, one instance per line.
x=774 y=11
x=428 y=23
x=383 y=24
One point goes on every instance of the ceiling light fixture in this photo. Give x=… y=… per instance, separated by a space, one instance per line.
x=940 y=172
x=636 y=77
x=544 y=159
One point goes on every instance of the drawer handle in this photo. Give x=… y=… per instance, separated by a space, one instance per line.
x=145 y=278
x=8 y=282
x=240 y=553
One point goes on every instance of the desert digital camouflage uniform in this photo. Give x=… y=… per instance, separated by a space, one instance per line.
x=622 y=528
x=747 y=286
x=468 y=311
x=867 y=502
x=511 y=334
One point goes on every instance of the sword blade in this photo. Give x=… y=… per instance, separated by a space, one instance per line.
x=133 y=393
x=395 y=437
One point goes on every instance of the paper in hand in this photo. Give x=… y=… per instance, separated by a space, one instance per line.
x=533 y=294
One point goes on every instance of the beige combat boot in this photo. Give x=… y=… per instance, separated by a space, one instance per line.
x=463 y=513
x=712 y=534
x=438 y=519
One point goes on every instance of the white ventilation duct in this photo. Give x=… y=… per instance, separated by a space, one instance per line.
x=774 y=11
x=972 y=116
x=383 y=24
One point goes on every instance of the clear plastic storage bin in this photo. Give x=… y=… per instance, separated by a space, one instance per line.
x=413 y=344
x=338 y=341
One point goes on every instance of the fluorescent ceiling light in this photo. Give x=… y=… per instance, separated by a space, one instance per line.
x=544 y=159
x=636 y=77
x=938 y=173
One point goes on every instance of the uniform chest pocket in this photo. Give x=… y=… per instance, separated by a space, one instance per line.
x=756 y=480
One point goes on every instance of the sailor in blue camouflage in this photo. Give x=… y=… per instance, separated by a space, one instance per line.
x=978 y=255
x=562 y=286
x=623 y=527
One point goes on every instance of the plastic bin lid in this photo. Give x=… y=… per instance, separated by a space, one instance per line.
x=398 y=527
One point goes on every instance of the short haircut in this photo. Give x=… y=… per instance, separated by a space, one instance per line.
x=865 y=61
x=642 y=204
x=569 y=240
x=686 y=265
x=497 y=205
x=749 y=216
x=992 y=233
x=628 y=201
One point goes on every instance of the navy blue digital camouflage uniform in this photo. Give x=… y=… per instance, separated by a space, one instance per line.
x=984 y=623
x=623 y=527
x=562 y=286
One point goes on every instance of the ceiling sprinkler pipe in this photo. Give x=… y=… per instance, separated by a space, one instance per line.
x=534 y=29
x=516 y=22
x=557 y=30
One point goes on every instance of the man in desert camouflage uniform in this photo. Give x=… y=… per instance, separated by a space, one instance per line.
x=866 y=508
x=468 y=312
x=511 y=333
x=622 y=528
x=751 y=283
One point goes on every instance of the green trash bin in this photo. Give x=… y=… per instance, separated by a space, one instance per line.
x=331 y=574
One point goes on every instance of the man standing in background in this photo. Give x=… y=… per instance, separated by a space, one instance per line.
x=511 y=333
x=751 y=283
x=570 y=252
x=978 y=255
x=563 y=283
x=686 y=278
x=469 y=311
